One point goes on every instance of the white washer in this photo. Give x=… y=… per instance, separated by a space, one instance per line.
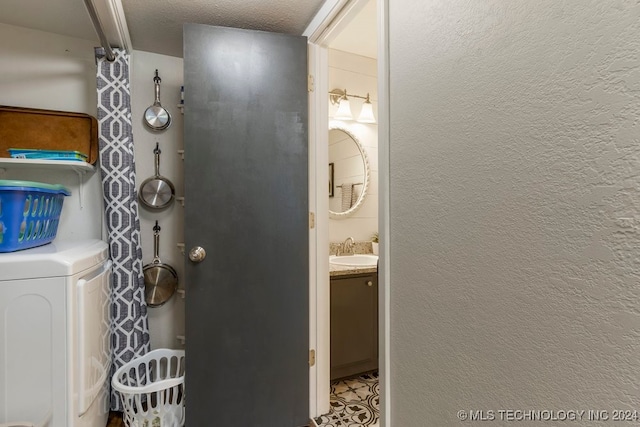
x=54 y=335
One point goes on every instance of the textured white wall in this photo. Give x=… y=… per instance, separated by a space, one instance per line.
x=357 y=74
x=515 y=222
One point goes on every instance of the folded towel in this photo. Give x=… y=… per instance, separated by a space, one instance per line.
x=354 y=195
x=347 y=196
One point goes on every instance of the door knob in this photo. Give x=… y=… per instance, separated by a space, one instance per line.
x=197 y=254
x=369 y=283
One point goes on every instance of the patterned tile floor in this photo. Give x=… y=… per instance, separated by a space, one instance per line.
x=355 y=402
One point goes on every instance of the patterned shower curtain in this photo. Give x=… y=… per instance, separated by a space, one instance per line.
x=129 y=322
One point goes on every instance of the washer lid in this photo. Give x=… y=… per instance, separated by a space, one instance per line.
x=60 y=258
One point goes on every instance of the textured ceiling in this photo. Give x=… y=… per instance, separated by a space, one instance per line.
x=156 y=25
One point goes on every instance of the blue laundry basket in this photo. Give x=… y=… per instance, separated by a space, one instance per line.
x=29 y=213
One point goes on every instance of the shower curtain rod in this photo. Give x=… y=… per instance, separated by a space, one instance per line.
x=98 y=27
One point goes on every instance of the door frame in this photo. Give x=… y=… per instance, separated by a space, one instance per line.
x=330 y=19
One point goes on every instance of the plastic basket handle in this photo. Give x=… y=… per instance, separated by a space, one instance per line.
x=156 y=386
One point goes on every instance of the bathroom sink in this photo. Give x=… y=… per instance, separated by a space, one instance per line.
x=358 y=260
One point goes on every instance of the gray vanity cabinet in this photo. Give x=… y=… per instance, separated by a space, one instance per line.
x=354 y=324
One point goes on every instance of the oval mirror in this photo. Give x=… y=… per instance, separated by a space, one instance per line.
x=348 y=173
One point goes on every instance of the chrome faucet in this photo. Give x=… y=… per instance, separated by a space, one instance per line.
x=348 y=247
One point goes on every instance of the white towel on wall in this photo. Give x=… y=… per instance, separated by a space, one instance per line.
x=347 y=196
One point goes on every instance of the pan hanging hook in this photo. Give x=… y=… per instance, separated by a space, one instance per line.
x=156 y=117
x=160 y=280
x=157 y=192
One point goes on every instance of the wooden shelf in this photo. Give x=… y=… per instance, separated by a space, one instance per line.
x=78 y=167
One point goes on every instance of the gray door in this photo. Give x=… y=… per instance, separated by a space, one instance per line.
x=246 y=204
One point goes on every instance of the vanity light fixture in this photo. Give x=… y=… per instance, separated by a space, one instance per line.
x=339 y=96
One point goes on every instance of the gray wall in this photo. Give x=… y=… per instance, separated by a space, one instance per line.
x=515 y=223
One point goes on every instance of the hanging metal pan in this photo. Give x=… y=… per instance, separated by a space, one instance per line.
x=160 y=280
x=156 y=116
x=157 y=192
